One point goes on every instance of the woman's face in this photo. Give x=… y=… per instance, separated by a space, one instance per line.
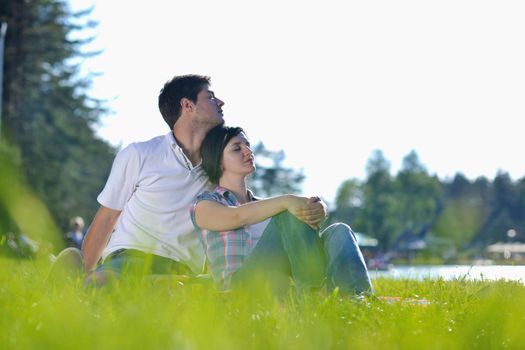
x=237 y=157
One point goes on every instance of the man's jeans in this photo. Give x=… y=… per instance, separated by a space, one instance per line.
x=290 y=248
x=138 y=262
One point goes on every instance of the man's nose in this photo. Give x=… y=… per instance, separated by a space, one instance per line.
x=220 y=102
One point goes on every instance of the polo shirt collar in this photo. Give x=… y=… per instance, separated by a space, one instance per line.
x=170 y=138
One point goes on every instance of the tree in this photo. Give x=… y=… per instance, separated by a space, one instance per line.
x=47 y=112
x=506 y=211
x=459 y=186
x=462 y=214
x=520 y=209
x=379 y=200
x=418 y=195
x=271 y=177
x=348 y=201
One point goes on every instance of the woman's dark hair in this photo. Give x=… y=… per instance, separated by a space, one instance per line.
x=212 y=149
x=184 y=86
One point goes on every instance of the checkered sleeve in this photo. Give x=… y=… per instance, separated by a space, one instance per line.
x=226 y=250
x=205 y=196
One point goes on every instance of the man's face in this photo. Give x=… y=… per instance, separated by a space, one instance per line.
x=208 y=108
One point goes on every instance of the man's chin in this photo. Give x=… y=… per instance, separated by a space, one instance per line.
x=218 y=122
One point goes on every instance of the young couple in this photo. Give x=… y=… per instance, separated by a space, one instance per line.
x=168 y=198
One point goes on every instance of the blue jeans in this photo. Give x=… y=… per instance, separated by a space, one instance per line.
x=290 y=248
x=135 y=261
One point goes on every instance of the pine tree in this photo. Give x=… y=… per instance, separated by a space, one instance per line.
x=47 y=111
x=271 y=177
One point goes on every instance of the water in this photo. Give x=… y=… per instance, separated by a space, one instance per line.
x=448 y=272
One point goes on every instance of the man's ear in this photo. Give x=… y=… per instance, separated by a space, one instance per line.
x=186 y=104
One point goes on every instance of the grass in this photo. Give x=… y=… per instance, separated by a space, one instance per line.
x=140 y=314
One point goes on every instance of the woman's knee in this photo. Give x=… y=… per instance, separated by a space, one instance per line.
x=338 y=229
x=339 y=234
x=339 y=226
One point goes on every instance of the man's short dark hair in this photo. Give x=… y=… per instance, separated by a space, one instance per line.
x=183 y=86
x=212 y=149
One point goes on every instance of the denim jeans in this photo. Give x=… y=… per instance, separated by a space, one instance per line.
x=135 y=261
x=290 y=248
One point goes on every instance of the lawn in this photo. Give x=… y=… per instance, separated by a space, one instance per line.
x=141 y=314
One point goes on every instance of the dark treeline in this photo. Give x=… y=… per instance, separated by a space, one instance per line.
x=414 y=204
x=48 y=119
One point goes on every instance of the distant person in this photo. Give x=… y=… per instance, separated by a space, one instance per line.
x=270 y=241
x=144 y=219
x=21 y=245
x=75 y=235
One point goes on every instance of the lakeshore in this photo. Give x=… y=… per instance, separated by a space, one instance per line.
x=450 y=272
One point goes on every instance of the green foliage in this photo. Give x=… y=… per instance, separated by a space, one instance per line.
x=506 y=211
x=271 y=177
x=485 y=211
x=9 y=159
x=47 y=113
x=348 y=201
x=460 y=221
x=448 y=215
x=20 y=210
x=141 y=314
x=349 y=194
x=418 y=195
x=379 y=200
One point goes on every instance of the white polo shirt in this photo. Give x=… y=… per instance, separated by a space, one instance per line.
x=153 y=183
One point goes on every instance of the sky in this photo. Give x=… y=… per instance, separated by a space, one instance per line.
x=327 y=81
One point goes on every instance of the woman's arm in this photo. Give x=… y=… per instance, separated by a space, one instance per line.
x=214 y=216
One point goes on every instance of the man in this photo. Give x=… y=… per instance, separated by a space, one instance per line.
x=146 y=198
x=143 y=221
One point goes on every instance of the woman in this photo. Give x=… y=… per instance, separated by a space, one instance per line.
x=270 y=240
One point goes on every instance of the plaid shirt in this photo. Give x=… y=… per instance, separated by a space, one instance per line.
x=227 y=250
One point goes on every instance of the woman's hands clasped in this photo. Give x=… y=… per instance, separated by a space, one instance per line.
x=310 y=210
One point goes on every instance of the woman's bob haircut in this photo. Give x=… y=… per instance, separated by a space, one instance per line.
x=212 y=149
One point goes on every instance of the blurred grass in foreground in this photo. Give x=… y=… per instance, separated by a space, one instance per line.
x=25 y=209
x=140 y=314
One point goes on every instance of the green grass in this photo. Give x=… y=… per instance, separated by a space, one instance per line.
x=140 y=314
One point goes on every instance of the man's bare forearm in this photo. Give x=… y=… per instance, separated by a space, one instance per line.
x=98 y=235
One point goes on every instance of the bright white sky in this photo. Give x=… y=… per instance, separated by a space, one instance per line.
x=328 y=81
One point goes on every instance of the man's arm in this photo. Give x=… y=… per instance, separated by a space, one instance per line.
x=98 y=235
